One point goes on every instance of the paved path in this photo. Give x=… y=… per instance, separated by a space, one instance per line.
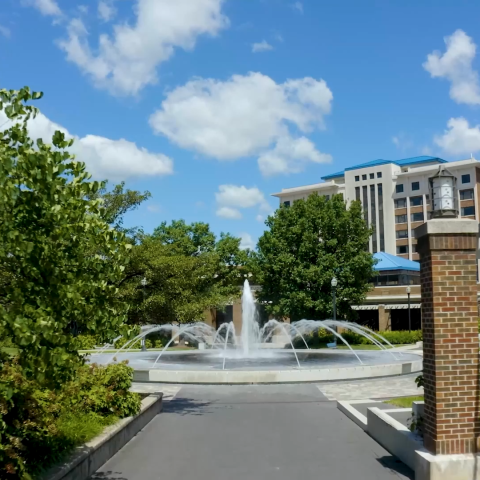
x=252 y=433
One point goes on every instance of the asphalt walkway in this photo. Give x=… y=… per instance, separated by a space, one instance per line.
x=252 y=432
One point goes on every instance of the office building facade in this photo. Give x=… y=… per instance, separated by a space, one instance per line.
x=395 y=197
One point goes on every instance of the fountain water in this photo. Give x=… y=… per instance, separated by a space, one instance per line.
x=247 y=353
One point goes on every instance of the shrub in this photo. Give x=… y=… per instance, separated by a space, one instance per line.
x=321 y=337
x=38 y=426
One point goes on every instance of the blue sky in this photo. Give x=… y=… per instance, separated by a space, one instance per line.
x=213 y=105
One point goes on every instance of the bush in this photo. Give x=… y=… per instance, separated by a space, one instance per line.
x=38 y=426
x=321 y=337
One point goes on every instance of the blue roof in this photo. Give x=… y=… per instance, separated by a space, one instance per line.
x=391 y=262
x=374 y=163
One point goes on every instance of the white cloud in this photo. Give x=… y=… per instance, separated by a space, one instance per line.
x=402 y=142
x=262 y=46
x=154 y=208
x=5 y=31
x=298 y=6
x=126 y=61
x=456 y=66
x=290 y=155
x=105 y=159
x=228 y=212
x=240 y=196
x=260 y=218
x=106 y=10
x=199 y=204
x=242 y=116
x=45 y=7
x=246 y=241
x=83 y=9
x=459 y=138
x=396 y=141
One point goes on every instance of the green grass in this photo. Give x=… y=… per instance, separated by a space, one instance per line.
x=404 y=402
x=342 y=346
x=79 y=428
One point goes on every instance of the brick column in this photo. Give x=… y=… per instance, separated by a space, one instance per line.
x=450 y=334
x=383 y=318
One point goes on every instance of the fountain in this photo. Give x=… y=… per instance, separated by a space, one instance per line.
x=230 y=358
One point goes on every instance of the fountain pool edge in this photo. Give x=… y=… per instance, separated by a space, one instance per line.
x=304 y=375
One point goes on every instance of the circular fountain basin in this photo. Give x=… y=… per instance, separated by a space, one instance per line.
x=266 y=366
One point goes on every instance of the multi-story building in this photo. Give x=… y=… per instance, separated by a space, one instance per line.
x=395 y=196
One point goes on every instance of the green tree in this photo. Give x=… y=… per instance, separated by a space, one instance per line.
x=62 y=260
x=187 y=271
x=116 y=203
x=308 y=244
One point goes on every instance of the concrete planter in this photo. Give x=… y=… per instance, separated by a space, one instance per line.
x=88 y=458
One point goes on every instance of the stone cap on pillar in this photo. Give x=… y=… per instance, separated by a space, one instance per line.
x=447 y=226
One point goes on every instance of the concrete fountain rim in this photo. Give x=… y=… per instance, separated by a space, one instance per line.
x=290 y=375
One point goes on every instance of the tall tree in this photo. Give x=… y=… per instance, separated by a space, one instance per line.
x=61 y=259
x=307 y=244
x=187 y=271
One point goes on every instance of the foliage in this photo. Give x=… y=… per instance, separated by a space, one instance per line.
x=37 y=425
x=116 y=203
x=321 y=337
x=59 y=260
x=187 y=271
x=308 y=244
x=419 y=381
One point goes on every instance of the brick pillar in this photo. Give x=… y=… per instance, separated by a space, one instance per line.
x=450 y=334
x=383 y=318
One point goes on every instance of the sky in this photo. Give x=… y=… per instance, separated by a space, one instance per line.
x=213 y=105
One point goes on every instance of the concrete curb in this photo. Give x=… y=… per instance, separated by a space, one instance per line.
x=88 y=458
x=345 y=406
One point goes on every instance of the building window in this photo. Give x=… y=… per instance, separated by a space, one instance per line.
x=357 y=193
x=400 y=203
x=414 y=248
x=357 y=178
x=468 y=211
x=379 y=174
x=380 y=217
x=373 y=215
x=327 y=197
x=415 y=185
x=364 y=177
x=287 y=203
x=399 y=188
x=402 y=233
x=365 y=203
x=427 y=199
x=400 y=219
x=401 y=249
x=416 y=201
x=466 y=178
x=416 y=217
x=466 y=194
x=372 y=175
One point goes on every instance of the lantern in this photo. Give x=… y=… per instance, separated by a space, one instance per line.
x=443 y=194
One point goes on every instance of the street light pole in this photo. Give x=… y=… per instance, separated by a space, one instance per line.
x=144 y=283
x=409 y=317
x=334 y=300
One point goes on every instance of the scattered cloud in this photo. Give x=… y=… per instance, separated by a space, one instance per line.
x=231 y=198
x=127 y=60
x=459 y=138
x=455 y=65
x=298 y=6
x=105 y=158
x=5 y=31
x=45 y=7
x=106 y=10
x=290 y=155
x=278 y=37
x=83 y=9
x=402 y=142
x=154 y=208
x=246 y=241
x=199 y=204
x=262 y=46
x=228 y=212
x=246 y=115
x=260 y=218
x=426 y=150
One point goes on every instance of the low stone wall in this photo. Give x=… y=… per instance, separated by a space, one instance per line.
x=88 y=458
